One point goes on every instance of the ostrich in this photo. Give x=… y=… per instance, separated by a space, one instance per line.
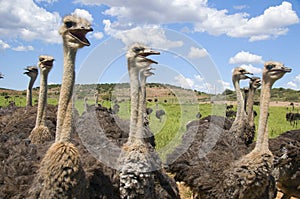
x=286 y=150
x=198 y=115
x=41 y=133
x=206 y=150
x=250 y=176
x=61 y=174
x=159 y=114
x=239 y=127
x=139 y=163
x=254 y=84
x=149 y=137
x=1 y=76
x=32 y=72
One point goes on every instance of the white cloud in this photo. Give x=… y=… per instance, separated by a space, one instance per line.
x=83 y=14
x=150 y=35
x=23 y=48
x=239 y=7
x=270 y=24
x=24 y=19
x=184 y=82
x=292 y=85
x=251 y=68
x=97 y=35
x=198 y=78
x=246 y=58
x=3 y=45
x=47 y=1
x=297 y=78
x=226 y=85
x=197 y=52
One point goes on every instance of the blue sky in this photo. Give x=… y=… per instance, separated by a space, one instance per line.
x=201 y=41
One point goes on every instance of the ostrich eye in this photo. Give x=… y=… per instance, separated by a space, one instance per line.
x=137 y=49
x=69 y=24
x=41 y=59
x=242 y=71
x=269 y=67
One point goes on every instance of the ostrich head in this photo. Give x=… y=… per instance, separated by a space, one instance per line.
x=74 y=30
x=137 y=57
x=31 y=71
x=274 y=71
x=240 y=73
x=255 y=82
x=1 y=76
x=45 y=63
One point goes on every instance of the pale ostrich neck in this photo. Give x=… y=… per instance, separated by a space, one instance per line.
x=134 y=93
x=41 y=112
x=250 y=103
x=29 y=91
x=141 y=107
x=262 y=133
x=65 y=104
x=240 y=104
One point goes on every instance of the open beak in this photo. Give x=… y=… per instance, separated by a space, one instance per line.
x=146 y=53
x=80 y=35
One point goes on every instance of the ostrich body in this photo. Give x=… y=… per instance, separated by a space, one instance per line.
x=32 y=72
x=239 y=126
x=254 y=84
x=61 y=172
x=140 y=166
x=41 y=133
x=159 y=114
x=251 y=175
x=205 y=157
x=136 y=178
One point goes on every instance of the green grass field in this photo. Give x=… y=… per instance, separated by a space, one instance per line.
x=168 y=132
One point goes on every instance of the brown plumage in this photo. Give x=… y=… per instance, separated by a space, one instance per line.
x=61 y=174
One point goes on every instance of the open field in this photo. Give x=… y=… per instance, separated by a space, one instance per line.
x=168 y=132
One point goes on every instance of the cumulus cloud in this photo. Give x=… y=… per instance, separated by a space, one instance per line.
x=246 y=58
x=273 y=22
x=294 y=83
x=23 y=48
x=149 y=34
x=83 y=14
x=197 y=53
x=46 y=1
x=24 y=19
x=251 y=68
x=297 y=78
x=3 y=45
x=97 y=35
x=184 y=82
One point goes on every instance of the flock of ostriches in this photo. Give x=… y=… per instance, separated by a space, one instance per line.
x=44 y=155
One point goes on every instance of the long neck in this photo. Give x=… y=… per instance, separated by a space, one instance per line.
x=262 y=133
x=29 y=91
x=250 y=103
x=41 y=112
x=240 y=103
x=141 y=107
x=65 y=104
x=134 y=93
